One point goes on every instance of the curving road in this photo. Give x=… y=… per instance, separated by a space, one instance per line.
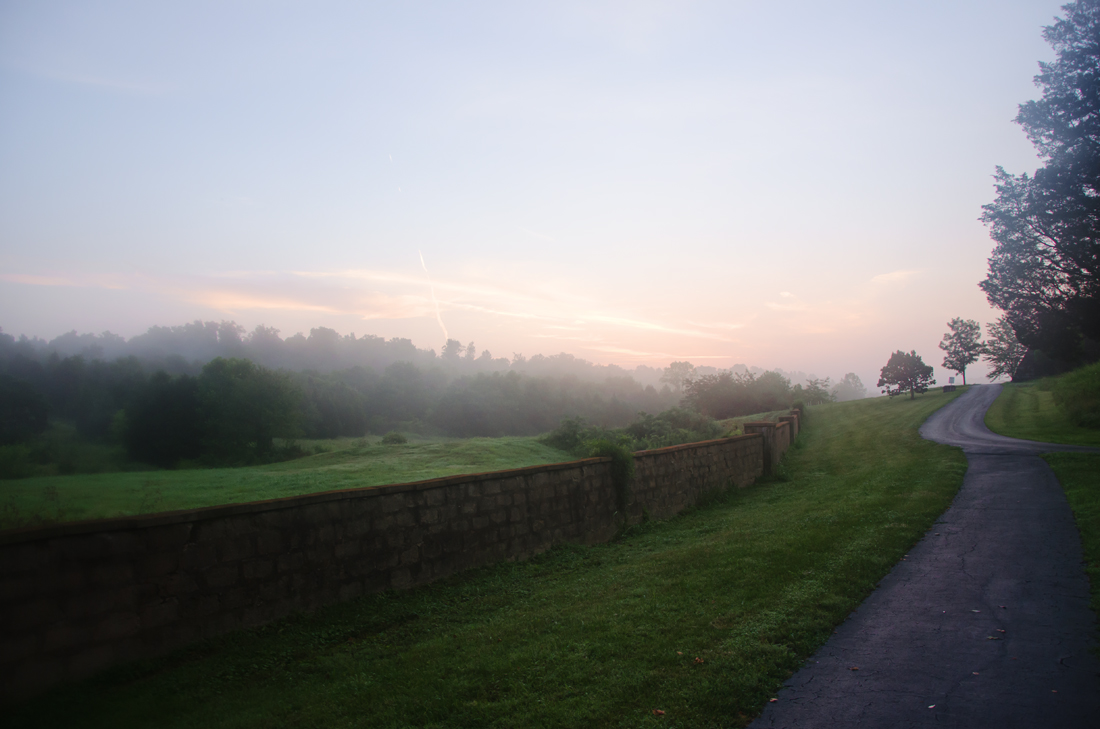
x=987 y=621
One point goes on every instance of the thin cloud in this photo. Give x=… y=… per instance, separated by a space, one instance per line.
x=496 y=312
x=716 y=325
x=538 y=236
x=894 y=276
x=31 y=280
x=636 y=353
x=230 y=301
x=652 y=326
x=117 y=85
x=106 y=281
x=785 y=307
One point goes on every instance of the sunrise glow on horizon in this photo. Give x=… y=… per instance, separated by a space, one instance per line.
x=791 y=187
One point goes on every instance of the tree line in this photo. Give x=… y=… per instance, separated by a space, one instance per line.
x=185 y=348
x=1044 y=273
x=236 y=411
x=233 y=410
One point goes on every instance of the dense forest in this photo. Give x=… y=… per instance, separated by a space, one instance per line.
x=205 y=394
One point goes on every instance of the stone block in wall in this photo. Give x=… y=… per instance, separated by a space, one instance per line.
x=114 y=626
x=771 y=451
x=90 y=660
x=157 y=614
x=792 y=422
x=198 y=555
x=782 y=437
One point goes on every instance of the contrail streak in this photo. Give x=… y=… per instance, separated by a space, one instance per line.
x=438 y=316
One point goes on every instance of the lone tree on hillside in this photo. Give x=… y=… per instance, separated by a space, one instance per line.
x=1045 y=269
x=1002 y=349
x=963 y=345
x=905 y=373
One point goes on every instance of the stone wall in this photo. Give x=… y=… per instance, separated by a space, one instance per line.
x=77 y=598
x=777 y=438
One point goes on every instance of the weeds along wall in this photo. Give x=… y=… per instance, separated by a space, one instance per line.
x=77 y=598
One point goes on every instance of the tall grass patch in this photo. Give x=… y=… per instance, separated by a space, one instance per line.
x=701 y=616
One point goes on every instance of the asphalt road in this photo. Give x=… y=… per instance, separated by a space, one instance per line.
x=986 y=623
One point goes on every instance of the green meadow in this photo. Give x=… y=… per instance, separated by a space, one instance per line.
x=345 y=464
x=700 y=617
x=1028 y=410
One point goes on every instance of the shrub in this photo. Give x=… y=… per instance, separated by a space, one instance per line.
x=394 y=438
x=672 y=427
x=1077 y=393
x=622 y=468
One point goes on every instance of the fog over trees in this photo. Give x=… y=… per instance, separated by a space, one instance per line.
x=184 y=349
x=212 y=394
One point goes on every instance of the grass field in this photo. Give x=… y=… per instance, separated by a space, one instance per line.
x=349 y=464
x=701 y=617
x=346 y=463
x=1027 y=410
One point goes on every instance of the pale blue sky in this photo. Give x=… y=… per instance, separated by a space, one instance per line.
x=789 y=185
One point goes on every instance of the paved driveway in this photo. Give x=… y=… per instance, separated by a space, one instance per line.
x=985 y=624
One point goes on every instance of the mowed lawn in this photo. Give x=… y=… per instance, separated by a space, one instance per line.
x=700 y=617
x=1027 y=410
x=353 y=464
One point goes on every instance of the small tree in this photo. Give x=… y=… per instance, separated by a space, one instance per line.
x=905 y=373
x=963 y=345
x=677 y=373
x=817 y=392
x=849 y=388
x=452 y=350
x=1002 y=349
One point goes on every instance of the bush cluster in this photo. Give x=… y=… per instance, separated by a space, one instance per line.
x=729 y=394
x=671 y=427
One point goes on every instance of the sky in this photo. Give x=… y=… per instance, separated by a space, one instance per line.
x=786 y=185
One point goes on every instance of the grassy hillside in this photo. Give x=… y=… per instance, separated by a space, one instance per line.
x=349 y=464
x=344 y=463
x=1027 y=410
x=700 y=617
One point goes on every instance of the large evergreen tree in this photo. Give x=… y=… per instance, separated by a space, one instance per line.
x=1044 y=269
